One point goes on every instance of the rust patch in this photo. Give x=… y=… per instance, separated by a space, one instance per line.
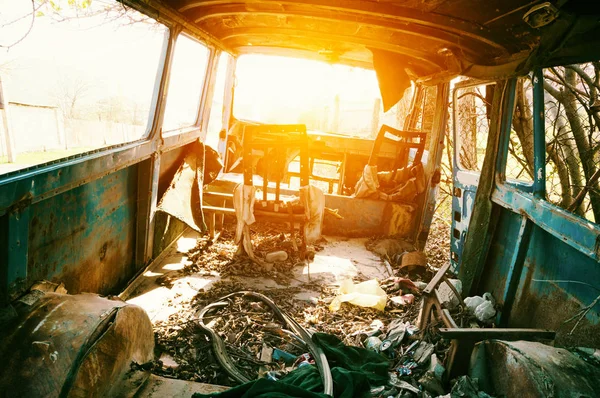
x=549 y=311
x=103 y=272
x=103 y=250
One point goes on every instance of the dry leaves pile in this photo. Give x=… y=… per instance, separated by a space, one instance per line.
x=242 y=327
x=220 y=256
x=245 y=326
x=437 y=247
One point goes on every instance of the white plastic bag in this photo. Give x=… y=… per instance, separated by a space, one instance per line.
x=473 y=302
x=481 y=307
x=485 y=311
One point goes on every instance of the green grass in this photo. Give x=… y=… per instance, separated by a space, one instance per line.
x=32 y=158
x=28 y=159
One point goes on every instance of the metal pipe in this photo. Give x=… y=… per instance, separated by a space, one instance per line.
x=230 y=368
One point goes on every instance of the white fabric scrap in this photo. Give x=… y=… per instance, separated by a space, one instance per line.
x=243 y=203
x=313 y=200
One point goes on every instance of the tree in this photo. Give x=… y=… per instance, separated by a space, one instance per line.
x=572 y=113
x=68 y=94
x=64 y=10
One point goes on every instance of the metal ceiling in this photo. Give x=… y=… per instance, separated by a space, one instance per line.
x=434 y=37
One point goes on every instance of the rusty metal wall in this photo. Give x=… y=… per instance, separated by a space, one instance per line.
x=541 y=263
x=85 y=237
x=544 y=304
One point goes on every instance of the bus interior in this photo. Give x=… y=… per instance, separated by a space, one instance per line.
x=300 y=198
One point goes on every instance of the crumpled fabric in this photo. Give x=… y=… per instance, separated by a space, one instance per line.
x=368 y=184
x=355 y=370
x=313 y=200
x=243 y=203
x=401 y=185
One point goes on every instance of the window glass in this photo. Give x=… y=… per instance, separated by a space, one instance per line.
x=188 y=72
x=572 y=120
x=519 y=163
x=472 y=111
x=215 y=121
x=82 y=78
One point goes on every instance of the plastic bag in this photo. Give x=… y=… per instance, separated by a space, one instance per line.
x=481 y=307
x=485 y=311
x=473 y=302
x=365 y=294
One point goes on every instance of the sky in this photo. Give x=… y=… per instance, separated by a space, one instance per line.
x=110 y=59
x=268 y=85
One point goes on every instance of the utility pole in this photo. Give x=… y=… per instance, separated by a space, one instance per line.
x=8 y=137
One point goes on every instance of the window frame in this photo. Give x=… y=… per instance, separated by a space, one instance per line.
x=457 y=141
x=504 y=141
x=152 y=129
x=207 y=110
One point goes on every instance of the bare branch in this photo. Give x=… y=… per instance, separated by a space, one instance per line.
x=28 y=30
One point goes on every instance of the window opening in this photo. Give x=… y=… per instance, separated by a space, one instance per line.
x=519 y=163
x=215 y=121
x=472 y=121
x=572 y=120
x=80 y=80
x=188 y=72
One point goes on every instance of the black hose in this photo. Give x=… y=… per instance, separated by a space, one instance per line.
x=228 y=365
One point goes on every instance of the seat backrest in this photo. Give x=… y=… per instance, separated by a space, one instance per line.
x=274 y=140
x=404 y=141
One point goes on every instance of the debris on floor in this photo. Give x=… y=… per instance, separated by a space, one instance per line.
x=378 y=316
x=272 y=243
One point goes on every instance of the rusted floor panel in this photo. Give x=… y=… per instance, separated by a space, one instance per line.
x=157 y=386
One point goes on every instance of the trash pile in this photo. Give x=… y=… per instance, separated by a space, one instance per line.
x=261 y=347
x=272 y=243
x=222 y=329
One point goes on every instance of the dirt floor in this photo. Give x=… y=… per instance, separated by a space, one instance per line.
x=196 y=272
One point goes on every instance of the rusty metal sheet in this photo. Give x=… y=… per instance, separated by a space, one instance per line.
x=108 y=368
x=183 y=198
x=436 y=39
x=80 y=345
x=530 y=369
x=85 y=237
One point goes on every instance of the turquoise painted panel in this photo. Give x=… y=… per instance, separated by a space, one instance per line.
x=85 y=237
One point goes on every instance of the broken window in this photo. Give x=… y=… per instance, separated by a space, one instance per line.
x=519 y=163
x=325 y=97
x=572 y=120
x=215 y=120
x=472 y=111
x=188 y=72
x=426 y=108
